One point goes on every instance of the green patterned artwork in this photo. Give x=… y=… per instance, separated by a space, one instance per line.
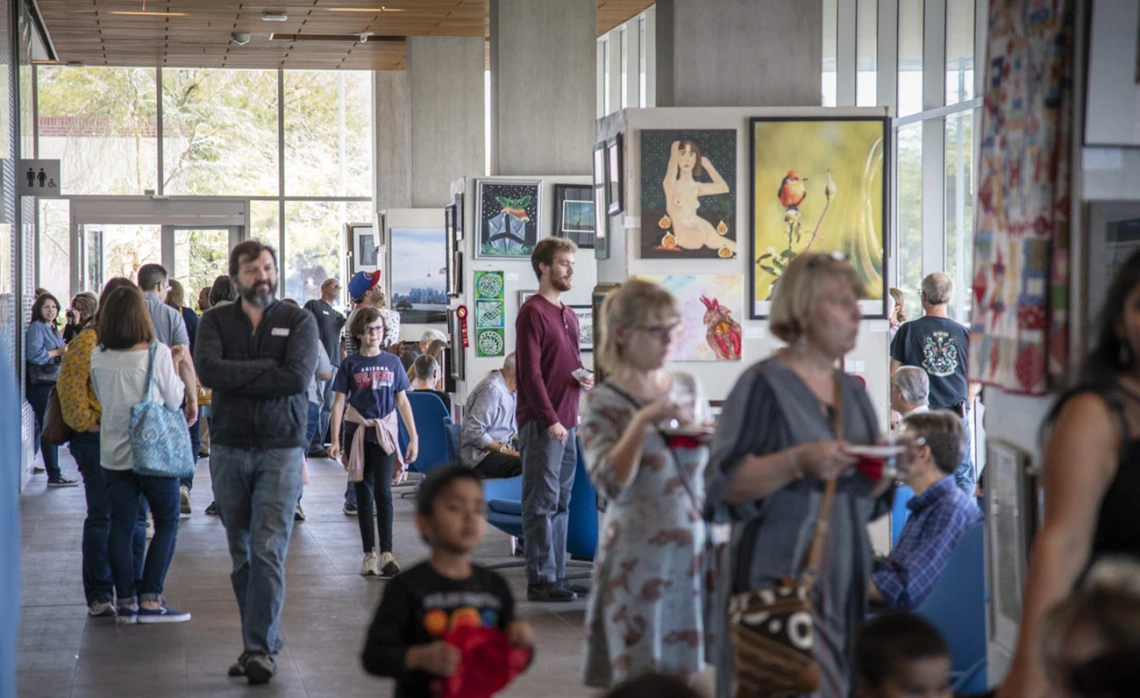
x=490 y=335
x=490 y=342
x=489 y=285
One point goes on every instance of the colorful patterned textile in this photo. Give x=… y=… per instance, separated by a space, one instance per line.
x=1019 y=335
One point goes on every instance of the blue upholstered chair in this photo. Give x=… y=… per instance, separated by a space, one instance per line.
x=899 y=511
x=432 y=421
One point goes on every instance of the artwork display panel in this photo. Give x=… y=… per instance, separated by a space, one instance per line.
x=688 y=194
x=601 y=217
x=614 y=178
x=574 y=214
x=585 y=315
x=418 y=275
x=710 y=305
x=819 y=185
x=453 y=248
x=507 y=218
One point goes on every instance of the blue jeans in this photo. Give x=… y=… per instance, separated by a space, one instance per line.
x=314 y=421
x=98 y=585
x=327 y=395
x=195 y=445
x=161 y=493
x=38 y=399
x=256 y=493
x=964 y=476
x=547 y=479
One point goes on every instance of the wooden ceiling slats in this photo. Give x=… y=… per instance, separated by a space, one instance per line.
x=84 y=31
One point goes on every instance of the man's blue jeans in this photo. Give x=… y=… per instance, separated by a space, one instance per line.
x=547 y=479
x=964 y=476
x=161 y=493
x=327 y=395
x=98 y=585
x=195 y=447
x=256 y=493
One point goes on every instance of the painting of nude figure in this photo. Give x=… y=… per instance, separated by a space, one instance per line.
x=688 y=194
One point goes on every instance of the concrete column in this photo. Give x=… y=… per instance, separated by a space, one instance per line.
x=543 y=90
x=390 y=92
x=730 y=53
x=445 y=115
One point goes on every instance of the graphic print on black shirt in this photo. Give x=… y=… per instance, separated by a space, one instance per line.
x=941 y=347
x=421 y=606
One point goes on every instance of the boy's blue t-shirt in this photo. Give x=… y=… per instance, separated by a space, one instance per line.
x=371 y=383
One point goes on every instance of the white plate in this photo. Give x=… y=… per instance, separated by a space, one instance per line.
x=877 y=451
x=694 y=432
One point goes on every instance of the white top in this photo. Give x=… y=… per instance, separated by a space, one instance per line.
x=119 y=377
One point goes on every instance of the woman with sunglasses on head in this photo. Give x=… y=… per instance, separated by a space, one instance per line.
x=787 y=429
x=652 y=534
x=373 y=384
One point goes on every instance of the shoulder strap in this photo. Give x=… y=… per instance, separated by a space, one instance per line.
x=823 y=523
x=150 y=371
x=684 y=477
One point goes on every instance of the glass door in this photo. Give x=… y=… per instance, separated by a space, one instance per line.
x=110 y=250
x=200 y=255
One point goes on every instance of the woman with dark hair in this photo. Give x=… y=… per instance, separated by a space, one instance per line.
x=82 y=311
x=222 y=292
x=83 y=413
x=120 y=370
x=176 y=298
x=1091 y=474
x=44 y=349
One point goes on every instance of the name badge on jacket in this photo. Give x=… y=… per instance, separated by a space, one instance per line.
x=280 y=332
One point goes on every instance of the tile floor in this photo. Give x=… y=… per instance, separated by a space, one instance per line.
x=63 y=653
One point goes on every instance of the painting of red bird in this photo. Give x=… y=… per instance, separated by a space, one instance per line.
x=792 y=192
x=722 y=332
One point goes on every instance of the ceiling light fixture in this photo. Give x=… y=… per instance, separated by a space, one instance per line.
x=370 y=10
x=274 y=16
x=148 y=14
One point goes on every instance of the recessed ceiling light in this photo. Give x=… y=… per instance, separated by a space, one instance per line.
x=370 y=10
x=274 y=16
x=149 y=14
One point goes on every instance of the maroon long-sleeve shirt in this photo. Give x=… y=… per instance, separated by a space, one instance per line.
x=546 y=354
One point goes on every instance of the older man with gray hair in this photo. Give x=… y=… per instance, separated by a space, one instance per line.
x=489 y=425
x=941 y=347
x=910 y=391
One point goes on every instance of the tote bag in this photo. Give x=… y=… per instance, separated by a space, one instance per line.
x=159 y=436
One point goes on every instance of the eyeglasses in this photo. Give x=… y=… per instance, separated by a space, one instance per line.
x=660 y=331
x=375 y=329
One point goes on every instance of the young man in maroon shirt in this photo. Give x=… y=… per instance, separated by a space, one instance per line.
x=547 y=357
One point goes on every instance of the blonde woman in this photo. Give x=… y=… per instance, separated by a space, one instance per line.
x=645 y=614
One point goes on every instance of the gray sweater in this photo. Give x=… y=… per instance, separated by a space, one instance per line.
x=259 y=378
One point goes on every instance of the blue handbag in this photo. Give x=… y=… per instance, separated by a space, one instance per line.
x=160 y=439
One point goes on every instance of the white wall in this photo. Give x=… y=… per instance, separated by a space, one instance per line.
x=518 y=274
x=871 y=353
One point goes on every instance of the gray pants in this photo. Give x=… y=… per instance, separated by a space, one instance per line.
x=547 y=478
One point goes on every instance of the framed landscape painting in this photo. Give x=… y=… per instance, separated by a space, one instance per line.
x=418 y=275
x=688 y=194
x=506 y=218
x=574 y=214
x=819 y=184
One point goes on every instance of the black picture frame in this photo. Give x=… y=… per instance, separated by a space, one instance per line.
x=873 y=309
x=496 y=220
x=574 y=217
x=614 y=175
x=459 y=218
x=601 y=217
x=458 y=359
x=452 y=248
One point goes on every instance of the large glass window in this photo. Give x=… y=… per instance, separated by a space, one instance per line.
x=642 y=61
x=314 y=234
x=220 y=132
x=200 y=256
x=830 y=51
x=55 y=246
x=125 y=248
x=100 y=124
x=911 y=17
x=265 y=223
x=606 y=76
x=328 y=133
x=867 y=53
x=960 y=210
x=909 y=220
x=959 y=51
x=624 y=68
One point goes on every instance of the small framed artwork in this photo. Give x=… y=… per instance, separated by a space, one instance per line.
x=1113 y=88
x=1011 y=500
x=585 y=315
x=1113 y=235
x=614 y=174
x=601 y=219
x=366 y=249
x=506 y=218
x=525 y=296
x=458 y=364
x=452 y=245
x=574 y=214
x=459 y=217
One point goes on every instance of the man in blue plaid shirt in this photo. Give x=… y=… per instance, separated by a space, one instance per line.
x=939 y=514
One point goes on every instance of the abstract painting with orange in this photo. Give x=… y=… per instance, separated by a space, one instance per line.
x=711 y=306
x=819 y=185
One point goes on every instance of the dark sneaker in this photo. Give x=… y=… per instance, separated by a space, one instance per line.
x=162 y=615
x=549 y=592
x=237 y=669
x=62 y=482
x=101 y=609
x=579 y=589
x=388 y=566
x=212 y=510
x=349 y=509
x=259 y=668
x=127 y=615
x=319 y=453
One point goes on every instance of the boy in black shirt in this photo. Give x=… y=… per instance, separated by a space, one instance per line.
x=421 y=605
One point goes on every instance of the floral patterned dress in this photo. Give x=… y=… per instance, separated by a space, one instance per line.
x=645 y=612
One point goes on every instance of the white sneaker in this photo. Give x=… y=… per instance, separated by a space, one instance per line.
x=184 y=500
x=388 y=566
x=371 y=565
x=149 y=528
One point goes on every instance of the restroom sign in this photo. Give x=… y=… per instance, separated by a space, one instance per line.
x=38 y=178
